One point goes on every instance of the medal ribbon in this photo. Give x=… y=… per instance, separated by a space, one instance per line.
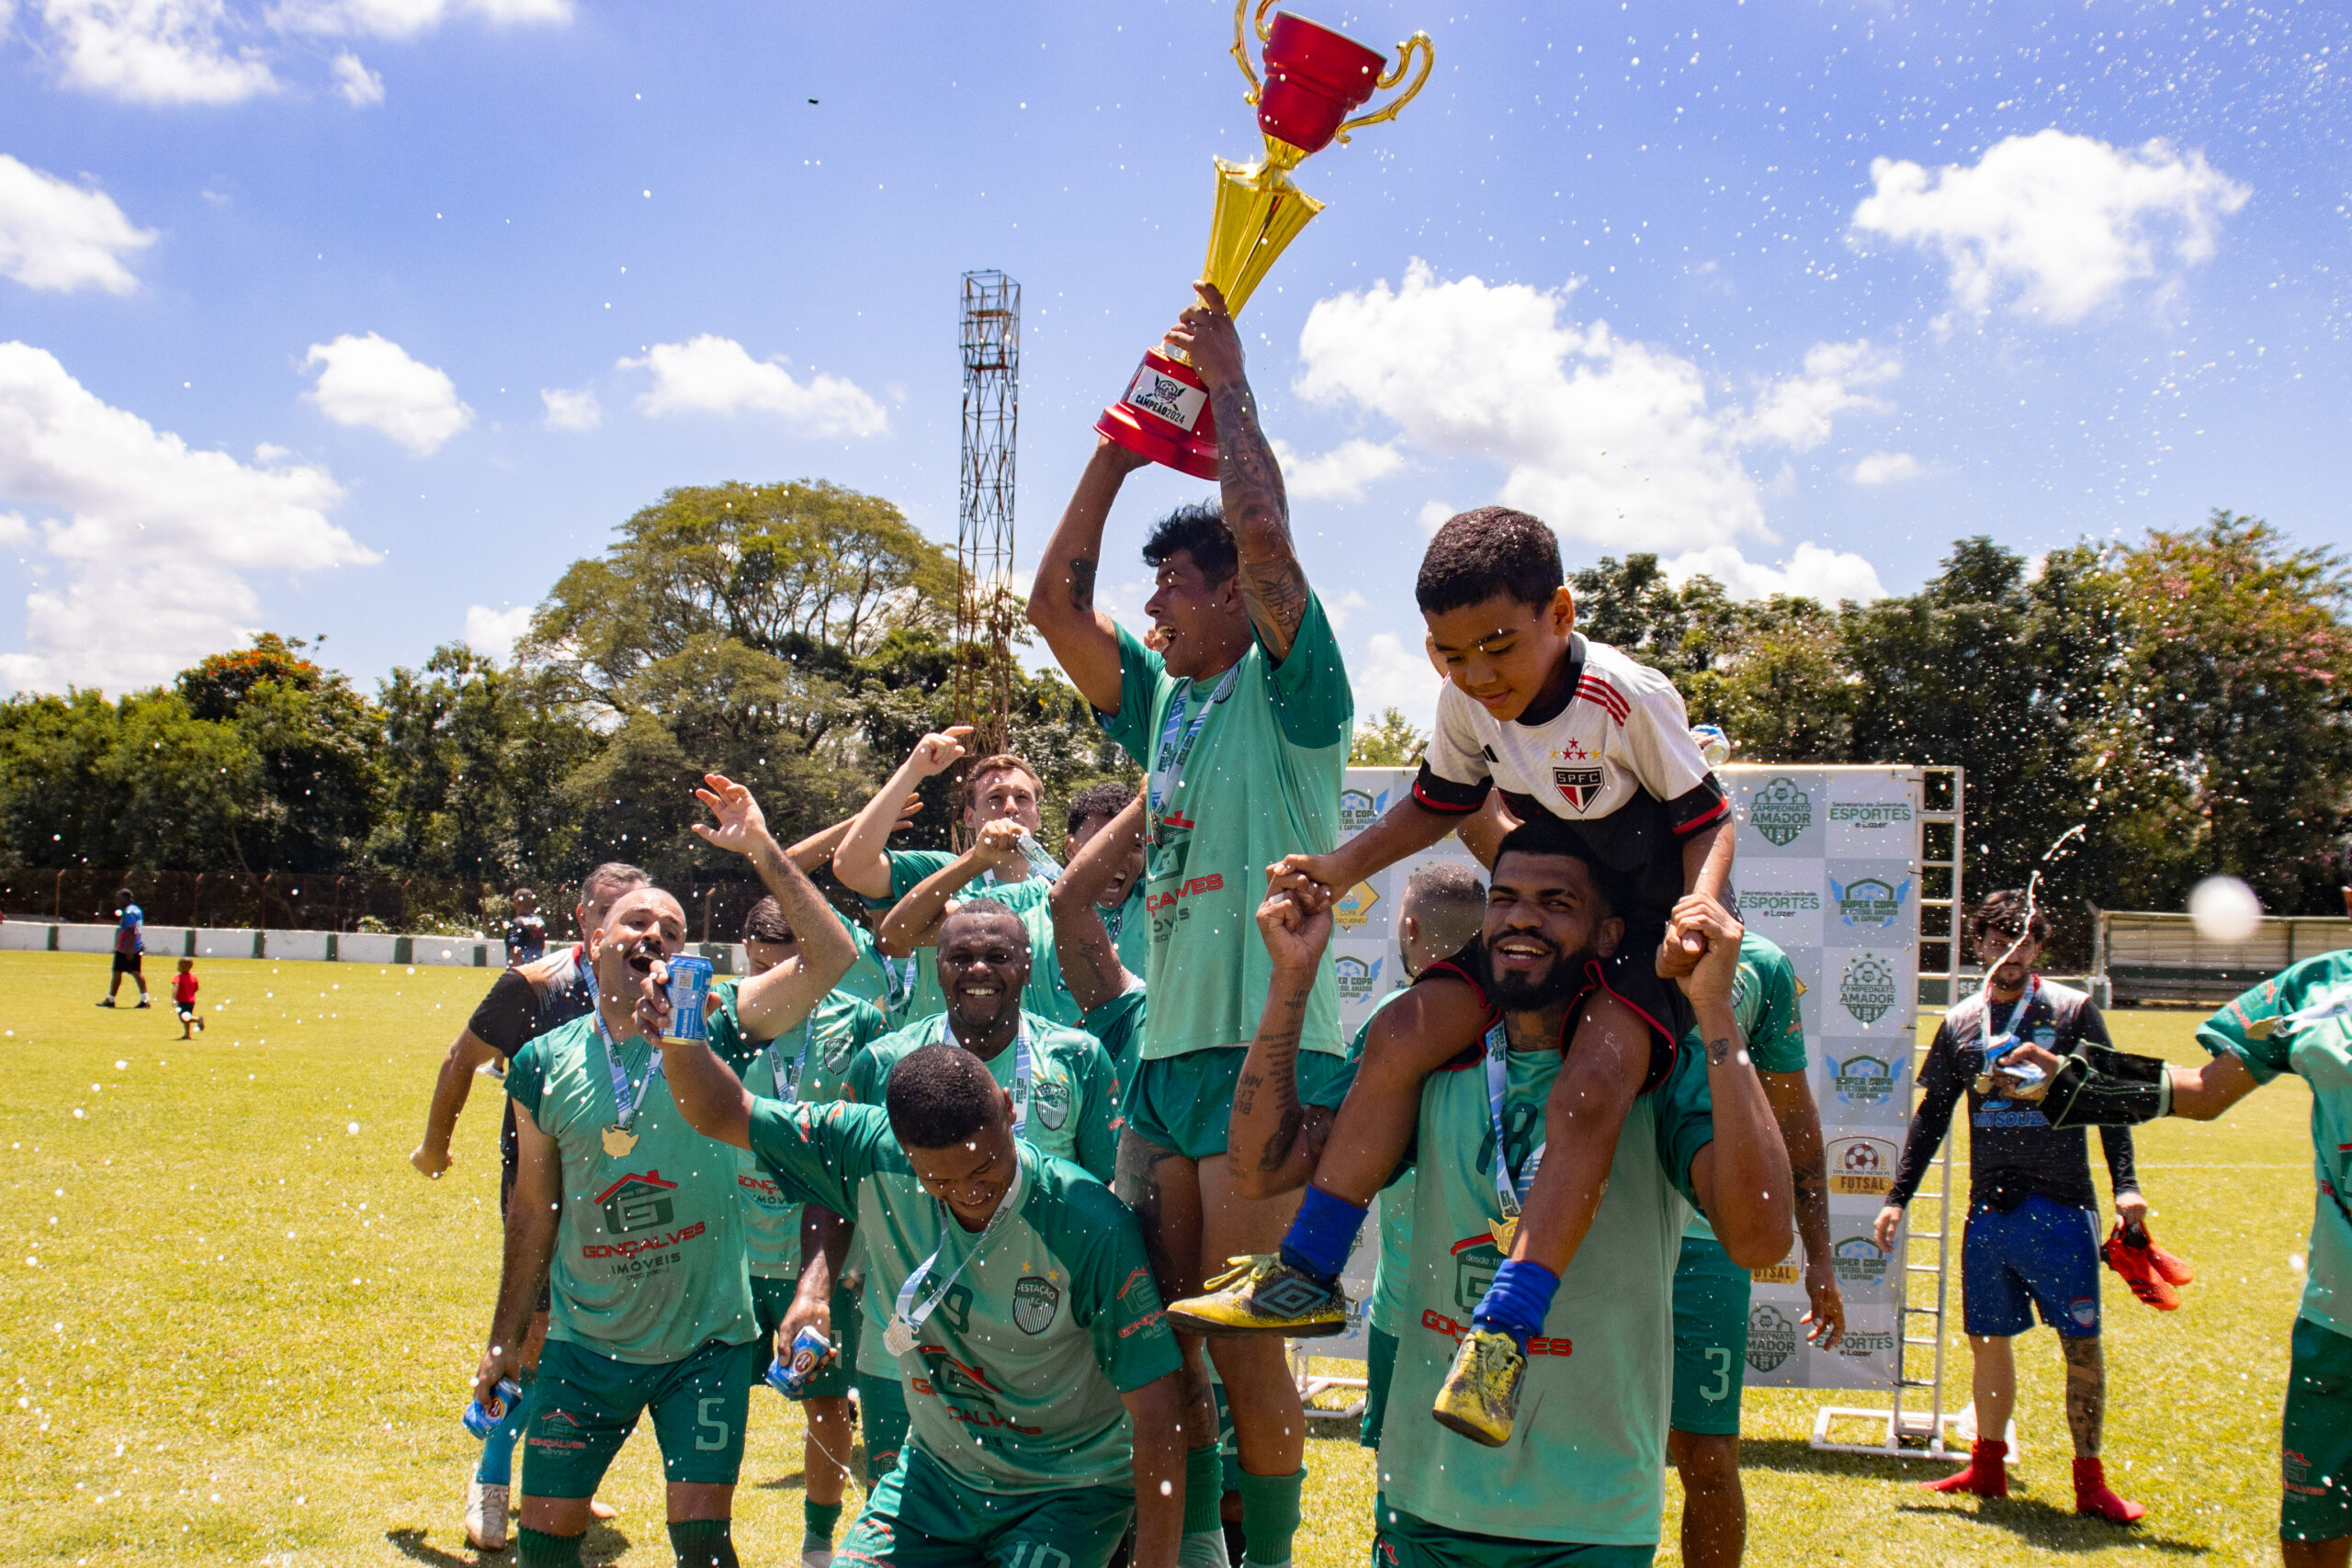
x=791 y=1086
x=1020 y=1070
x=2008 y=1036
x=626 y=1104
x=898 y=989
x=1171 y=758
x=914 y=1316
x=1507 y=1188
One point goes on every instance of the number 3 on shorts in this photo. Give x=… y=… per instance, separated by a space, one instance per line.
x=1722 y=1359
x=1036 y=1554
x=708 y=1419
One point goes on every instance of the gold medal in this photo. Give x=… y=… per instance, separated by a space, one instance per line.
x=899 y=1336
x=1504 y=1231
x=618 y=1140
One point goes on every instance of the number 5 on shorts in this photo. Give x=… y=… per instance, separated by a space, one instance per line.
x=708 y=1419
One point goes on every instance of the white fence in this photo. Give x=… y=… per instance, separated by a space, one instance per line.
x=167 y=943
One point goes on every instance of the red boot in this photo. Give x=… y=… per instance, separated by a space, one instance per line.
x=2095 y=1497
x=2134 y=1258
x=1987 y=1474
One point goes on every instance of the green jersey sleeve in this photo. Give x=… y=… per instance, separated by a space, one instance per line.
x=1686 y=1119
x=1310 y=689
x=1112 y=1293
x=527 y=1076
x=727 y=1036
x=1775 y=1034
x=819 y=1153
x=1098 y=1134
x=2247 y=1027
x=1144 y=684
x=910 y=866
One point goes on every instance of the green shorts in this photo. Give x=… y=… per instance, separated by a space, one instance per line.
x=772 y=1299
x=1185 y=1103
x=1710 y=1339
x=2315 y=1445
x=882 y=1413
x=586 y=1403
x=1403 y=1540
x=1379 y=1371
x=920 y=1515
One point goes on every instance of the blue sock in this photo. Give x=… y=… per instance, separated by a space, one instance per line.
x=497 y=1466
x=1516 y=1303
x=1323 y=1233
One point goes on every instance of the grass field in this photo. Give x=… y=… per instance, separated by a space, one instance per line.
x=240 y=1328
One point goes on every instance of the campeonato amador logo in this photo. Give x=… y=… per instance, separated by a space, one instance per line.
x=1771 y=1337
x=1780 y=811
x=1867 y=990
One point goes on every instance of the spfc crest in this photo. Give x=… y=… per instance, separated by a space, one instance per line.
x=1034 y=1300
x=1576 y=785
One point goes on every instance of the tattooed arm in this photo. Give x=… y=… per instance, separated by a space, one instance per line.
x=1275 y=1143
x=1800 y=1121
x=1061 y=601
x=1082 y=944
x=1256 y=508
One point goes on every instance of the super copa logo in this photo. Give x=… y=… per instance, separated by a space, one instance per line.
x=1780 y=811
x=1861 y=1080
x=1360 y=809
x=1358 y=979
x=1870 y=903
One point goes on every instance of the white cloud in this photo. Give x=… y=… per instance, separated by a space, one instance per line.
x=371 y=381
x=1603 y=437
x=1810 y=572
x=1394 y=675
x=709 y=373
x=154 y=51
x=569 y=410
x=360 y=87
x=495 y=631
x=1340 y=610
x=1339 y=474
x=2056 y=223
x=1434 y=515
x=55 y=235
x=407 y=19
x=156 y=540
x=1886 y=468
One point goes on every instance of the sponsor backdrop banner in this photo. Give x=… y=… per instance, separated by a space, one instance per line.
x=1827 y=868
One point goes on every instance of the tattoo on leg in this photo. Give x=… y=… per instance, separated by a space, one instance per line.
x=2085 y=1393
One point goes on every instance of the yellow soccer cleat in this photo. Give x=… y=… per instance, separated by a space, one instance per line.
x=1262 y=1294
x=1480 y=1399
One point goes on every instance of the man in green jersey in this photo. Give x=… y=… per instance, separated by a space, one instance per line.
x=2299 y=1021
x=1047 y=1401
x=633 y=1218
x=1581 y=1479
x=1241 y=721
x=1710 y=1291
x=808 y=1063
x=1065 y=1099
x=996 y=788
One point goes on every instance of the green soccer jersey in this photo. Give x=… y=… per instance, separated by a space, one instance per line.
x=1071 y=1099
x=1764 y=994
x=1587 y=1461
x=912 y=983
x=864 y=980
x=649 y=1261
x=1119 y=1024
x=1263 y=780
x=811 y=1062
x=1016 y=1378
x=2259 y=1029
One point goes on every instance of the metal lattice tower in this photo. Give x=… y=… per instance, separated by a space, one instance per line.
x=986 y=603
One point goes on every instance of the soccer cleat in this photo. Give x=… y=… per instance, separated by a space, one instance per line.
x=2095 y=1497
x=105 y=1001
x=2134 y=1263
x=1480 y=1397
x=813 y=1556
x=485 y=1516
x=1262 y=1294
x=2172 y=1266
x=145 y=1003
x=1987 y=1474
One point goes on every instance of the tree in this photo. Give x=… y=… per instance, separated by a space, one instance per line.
x=1389 y=741
x=316 y=739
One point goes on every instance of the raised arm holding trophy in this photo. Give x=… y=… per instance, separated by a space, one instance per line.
x=1315 y=80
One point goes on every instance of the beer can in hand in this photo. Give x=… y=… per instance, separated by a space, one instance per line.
x=689 y=993
x=790 y=1376
x=482 y=1419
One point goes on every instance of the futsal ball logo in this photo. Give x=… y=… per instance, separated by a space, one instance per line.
x=1867 y=988
x=1357 y=979
x=1780 y=811
x=1862 y=1167
x=1771 y=1337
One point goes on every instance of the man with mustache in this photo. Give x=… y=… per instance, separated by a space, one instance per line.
x=1580 y=1480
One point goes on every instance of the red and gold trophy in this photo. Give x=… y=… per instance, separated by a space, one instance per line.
x=1315 y=80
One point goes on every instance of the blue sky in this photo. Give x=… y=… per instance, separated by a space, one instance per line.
x=366 y=317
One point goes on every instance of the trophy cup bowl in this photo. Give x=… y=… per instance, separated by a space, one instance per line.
x=1315 y=80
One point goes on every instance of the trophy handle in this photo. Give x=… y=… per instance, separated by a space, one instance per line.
x=1242 y=28
x=1419 y=42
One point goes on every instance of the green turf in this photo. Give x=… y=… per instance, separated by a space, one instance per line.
x=242 y=1327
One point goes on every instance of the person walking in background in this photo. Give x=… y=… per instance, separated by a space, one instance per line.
x=130 y=942
x=526 y=935
x=184 y=985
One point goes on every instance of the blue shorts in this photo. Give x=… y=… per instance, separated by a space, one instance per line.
x=2042 y=1253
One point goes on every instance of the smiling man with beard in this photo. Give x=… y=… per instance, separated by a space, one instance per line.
x=1065 y=1096
x=1580 y=1480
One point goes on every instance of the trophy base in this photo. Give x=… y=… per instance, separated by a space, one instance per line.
x=1165 y=416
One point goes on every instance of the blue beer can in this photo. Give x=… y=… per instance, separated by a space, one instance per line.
x=482 y=1419
x=689 y=991
x=809 y=1351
